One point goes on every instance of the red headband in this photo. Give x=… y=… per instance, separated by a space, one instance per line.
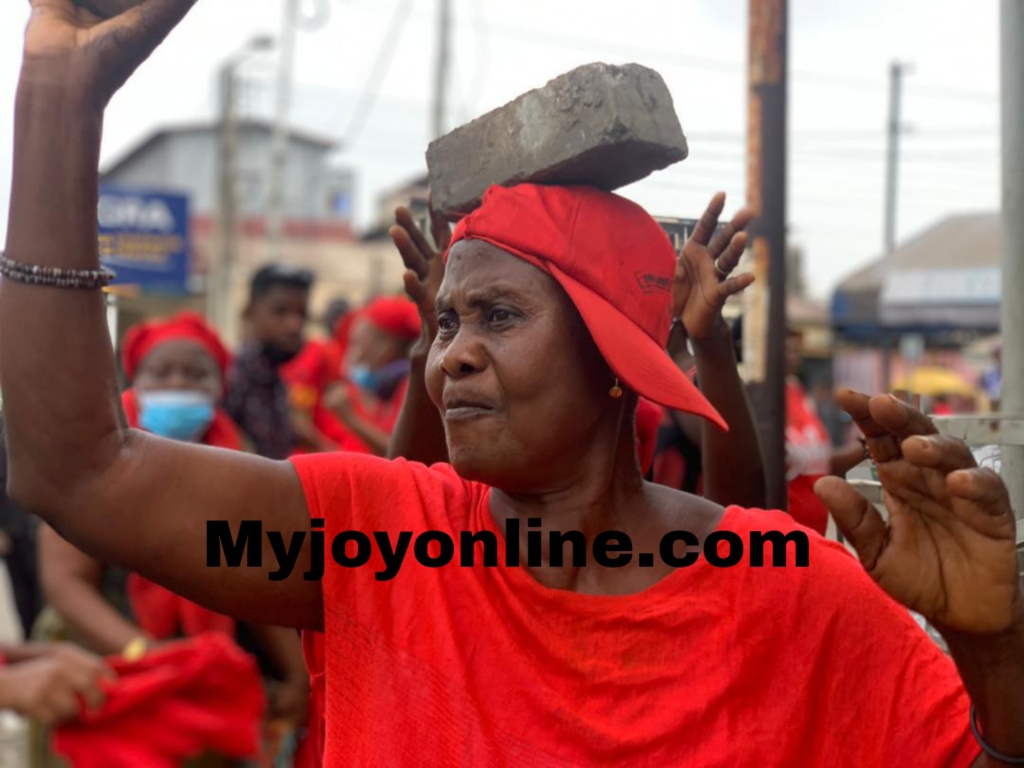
x=394 y=315
x=147 y=336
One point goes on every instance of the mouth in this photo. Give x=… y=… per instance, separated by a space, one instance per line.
x=457 y=409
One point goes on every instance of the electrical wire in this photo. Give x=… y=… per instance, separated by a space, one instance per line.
x=385 y=55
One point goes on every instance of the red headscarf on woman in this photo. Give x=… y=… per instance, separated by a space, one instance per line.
x=145 y=337
x=159 y=611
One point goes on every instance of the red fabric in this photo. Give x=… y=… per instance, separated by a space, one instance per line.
x=144 y=337
x=615 y=262
x=307 y=376
x=177 y=702
x=163 y=615
x=340 y=334
x=159 y=612
x=395 y=315
x=314 y=651
x=648 y=418
x=382 y=413
x=808 y=457
x=711 y=666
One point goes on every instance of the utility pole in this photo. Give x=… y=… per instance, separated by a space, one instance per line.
x=765 y=311
x=276 y=199
x=224 y=256
x=444 y=30
x=892 y=163
x=1011 y=25
x=218 y=294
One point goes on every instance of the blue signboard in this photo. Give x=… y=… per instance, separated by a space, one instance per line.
x=144 y=238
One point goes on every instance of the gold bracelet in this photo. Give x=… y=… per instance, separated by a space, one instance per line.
x=135 y=649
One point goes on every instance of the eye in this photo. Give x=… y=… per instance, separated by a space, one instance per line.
x=499 y=315
x=447 y=323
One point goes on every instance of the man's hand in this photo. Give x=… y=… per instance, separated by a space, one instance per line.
x=51 y=688
x=948 y=551
x=70 y=48
x=701 y=283
x=424 y=267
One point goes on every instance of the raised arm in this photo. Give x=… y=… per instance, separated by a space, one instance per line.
x=947 y=551
x=419 y=432
x=122 y=496
x=733 y=467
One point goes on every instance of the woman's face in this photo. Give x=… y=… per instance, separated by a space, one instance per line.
x=181 y=365
x=521 y=387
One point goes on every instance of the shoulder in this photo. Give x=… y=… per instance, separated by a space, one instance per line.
x=361 y=488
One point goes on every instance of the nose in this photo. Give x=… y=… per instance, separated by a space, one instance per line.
x=464 y=354
x=178 y=381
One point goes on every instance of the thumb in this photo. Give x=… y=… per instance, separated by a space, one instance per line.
x=139 y=30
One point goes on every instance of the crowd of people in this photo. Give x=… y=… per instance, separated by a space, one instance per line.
x=553 y=365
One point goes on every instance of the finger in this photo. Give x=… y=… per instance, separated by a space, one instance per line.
x=730 y=258
x=737 y=225
x=440 y=229
x=709 y=220
x=735 y=285
x=141 y=28
x=92 y=694
x=404 y=219
x=62 y=704
x=882 y=445
x=413 y=287
x=899 y=419
x=856 y=517
x=412 y=257
x=982 y=486
x=941 y=452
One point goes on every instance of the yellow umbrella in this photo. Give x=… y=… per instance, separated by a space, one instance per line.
x=932 y=381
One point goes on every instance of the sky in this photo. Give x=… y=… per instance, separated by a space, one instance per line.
x=379 y=54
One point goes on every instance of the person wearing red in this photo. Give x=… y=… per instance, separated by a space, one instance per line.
x=809 y=452
x=176 y=367
x=319 y=366
x=552 y=319
x=377 y=371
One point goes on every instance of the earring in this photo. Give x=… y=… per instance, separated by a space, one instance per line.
x=616 y=391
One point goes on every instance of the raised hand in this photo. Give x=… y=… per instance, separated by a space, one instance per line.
x=424 y=265
x=71 y=48
x=702 y=283
x=948 y=550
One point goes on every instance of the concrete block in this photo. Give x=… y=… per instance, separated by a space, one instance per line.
x=107 y=8
x=599 y=124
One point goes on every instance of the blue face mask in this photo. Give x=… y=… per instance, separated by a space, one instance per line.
x=383 y=381
x=176 y=415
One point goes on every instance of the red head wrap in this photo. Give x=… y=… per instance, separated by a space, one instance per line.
x=147 y=336
x=394 y=315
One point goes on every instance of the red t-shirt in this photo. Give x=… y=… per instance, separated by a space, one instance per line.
x=711 y=667
x=808 y=458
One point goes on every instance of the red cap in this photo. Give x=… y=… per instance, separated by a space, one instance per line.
x=143 y=338
x=615 y=262
x=395 y=315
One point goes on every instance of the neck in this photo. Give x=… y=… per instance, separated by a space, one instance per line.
x=604 y=491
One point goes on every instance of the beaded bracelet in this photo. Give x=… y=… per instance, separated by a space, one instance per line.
x=986 y=748
x=54 y=277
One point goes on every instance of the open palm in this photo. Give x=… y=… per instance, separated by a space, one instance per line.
x=948 y=550
x=699 y=290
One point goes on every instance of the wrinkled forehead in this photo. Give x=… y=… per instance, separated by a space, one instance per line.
x=476 y=265
x=179 y=353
